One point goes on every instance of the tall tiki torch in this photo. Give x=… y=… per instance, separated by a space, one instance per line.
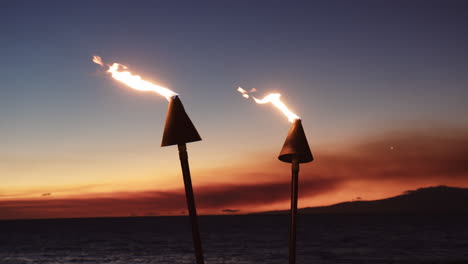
x=295 y=151
x=178 y=130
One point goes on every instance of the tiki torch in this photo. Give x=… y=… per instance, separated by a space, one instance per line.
x=178 y=130
x=295 y=151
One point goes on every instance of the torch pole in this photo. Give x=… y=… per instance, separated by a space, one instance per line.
x=294 y=194
x=295 y=151
x=190 y=202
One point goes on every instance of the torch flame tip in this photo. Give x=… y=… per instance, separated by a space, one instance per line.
x=97 y=60
x=273 y=98
x=118 y=72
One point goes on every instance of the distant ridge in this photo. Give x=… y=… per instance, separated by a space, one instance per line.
x=430 y=200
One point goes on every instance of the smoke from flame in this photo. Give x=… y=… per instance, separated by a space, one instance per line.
x=273 y=98
x=118 y=72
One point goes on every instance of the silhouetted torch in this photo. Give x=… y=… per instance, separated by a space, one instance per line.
x=295 y=151
x=178 y=130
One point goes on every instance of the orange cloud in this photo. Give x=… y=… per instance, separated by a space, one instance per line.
x=379 y=167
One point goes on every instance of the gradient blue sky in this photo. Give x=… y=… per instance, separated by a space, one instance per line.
x=350 y=69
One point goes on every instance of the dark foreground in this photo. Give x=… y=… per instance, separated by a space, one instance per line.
x=238 y=239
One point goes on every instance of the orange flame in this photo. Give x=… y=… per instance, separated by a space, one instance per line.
x=118 y=72
x=98 y=60
x=273 y=98
x=243 y=92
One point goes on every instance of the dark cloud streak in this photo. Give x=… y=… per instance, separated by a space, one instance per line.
x=121 y=204
x=413 y=158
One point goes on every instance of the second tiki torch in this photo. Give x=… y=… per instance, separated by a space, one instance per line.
x=295 y=151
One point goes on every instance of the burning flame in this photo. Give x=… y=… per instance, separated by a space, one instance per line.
x=243 y=92
x=98 y=60
x=118 y=72
x=273 y=98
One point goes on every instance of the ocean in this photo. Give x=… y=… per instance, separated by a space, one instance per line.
x=242 y=239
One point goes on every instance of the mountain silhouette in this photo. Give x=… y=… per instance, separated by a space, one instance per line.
x=430 y=200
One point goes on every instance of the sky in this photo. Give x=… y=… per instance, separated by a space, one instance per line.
x=381 y=87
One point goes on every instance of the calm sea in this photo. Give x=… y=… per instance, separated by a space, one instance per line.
x=237 y=239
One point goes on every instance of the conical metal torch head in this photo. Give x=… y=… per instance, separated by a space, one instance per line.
x=296 y=145
x=179 y=128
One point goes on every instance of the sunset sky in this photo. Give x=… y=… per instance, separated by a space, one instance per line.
x=381 y=87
